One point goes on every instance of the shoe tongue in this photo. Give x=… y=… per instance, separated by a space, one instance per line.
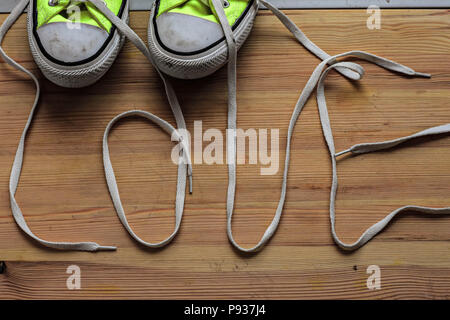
x=204 y=9
x=210 y=4
x=45 y=12
x=84 y=12
x=196 y=8
x=207 y=3
x=97 y=15
x=167 y=5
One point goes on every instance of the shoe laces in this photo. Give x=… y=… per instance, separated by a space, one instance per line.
x=349 y=70
x=223 y=3
x=53 y=3
x=184 y=165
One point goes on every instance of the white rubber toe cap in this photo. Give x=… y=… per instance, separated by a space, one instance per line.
x=71 y=45
x=184 y=33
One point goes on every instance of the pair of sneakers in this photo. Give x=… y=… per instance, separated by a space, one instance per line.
x=75 y=42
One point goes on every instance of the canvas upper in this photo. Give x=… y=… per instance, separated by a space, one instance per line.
x=72 y=32
x=190 y=26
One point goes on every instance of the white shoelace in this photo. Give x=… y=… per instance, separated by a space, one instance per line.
x=361 y=148
x=184 y=167
x=350 y=70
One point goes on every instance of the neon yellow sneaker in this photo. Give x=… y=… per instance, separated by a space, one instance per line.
x=186 y=39
x=72 y=42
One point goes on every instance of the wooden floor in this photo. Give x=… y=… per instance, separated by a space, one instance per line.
x=64 y=196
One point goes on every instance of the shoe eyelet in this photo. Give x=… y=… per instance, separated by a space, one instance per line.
x=53 y=3
x=226 y=3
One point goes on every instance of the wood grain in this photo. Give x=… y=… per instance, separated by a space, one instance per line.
x=64 y=196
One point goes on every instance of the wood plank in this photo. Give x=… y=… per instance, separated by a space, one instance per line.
x=64 y=196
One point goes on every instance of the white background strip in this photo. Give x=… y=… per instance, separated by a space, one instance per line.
x=7 y=5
